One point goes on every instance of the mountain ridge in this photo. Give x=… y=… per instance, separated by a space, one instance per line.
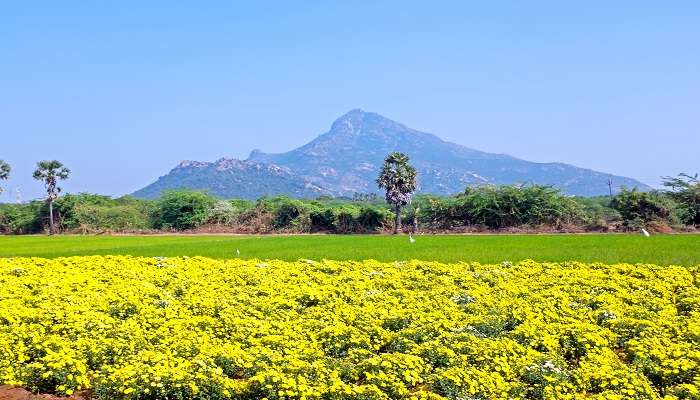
x=347 y=158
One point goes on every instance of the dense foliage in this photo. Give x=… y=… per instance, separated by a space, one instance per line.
x=21 y=218
x=196 y=328
x=77 y=213
x=685 y=189
x=640 y=208
x=182 y=210
x=88 y=212
x=480 y=208
x=504 y=206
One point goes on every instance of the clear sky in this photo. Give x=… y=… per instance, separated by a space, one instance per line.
x=121 y=91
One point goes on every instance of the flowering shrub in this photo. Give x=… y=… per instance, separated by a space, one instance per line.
x=195 y=328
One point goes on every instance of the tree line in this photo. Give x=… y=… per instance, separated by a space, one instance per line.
x=482 y=208
x=49 y=172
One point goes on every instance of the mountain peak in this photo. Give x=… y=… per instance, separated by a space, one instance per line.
x=255 y=154
x=358 y=121
x=354 y=111
x=349 y=122
x=191 y=164
x=346 y=159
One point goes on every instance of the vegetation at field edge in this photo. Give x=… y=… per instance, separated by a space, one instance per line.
x=479 y=209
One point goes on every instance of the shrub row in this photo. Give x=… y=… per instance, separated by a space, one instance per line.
x=291 y=215
x=499 y=207
x=485 y=207
x=185 y=210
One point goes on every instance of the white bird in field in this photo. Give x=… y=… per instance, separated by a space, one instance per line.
x=411 y=239
x=645 y=233
x=238 y=252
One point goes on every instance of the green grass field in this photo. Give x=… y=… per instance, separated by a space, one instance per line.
x=661 y=249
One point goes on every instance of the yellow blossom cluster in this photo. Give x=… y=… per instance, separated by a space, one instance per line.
x=195 y=328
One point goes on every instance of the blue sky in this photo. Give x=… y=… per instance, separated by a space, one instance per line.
x=122 y=91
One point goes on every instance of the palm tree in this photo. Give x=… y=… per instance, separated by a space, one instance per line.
x=50 y=172
x=4 y=172
x=398 y=177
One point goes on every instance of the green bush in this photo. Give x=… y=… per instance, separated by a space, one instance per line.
x=322 y=218
x=288 y=212
x=508 y=206
x=685 y=190
x=638 y=209
x=598 y=212
x=321 y=215
x=346 y=219
x=114 y=218
x=182 y=210
x=91 y=212
x=443 y=212
x=65 y=205
x=372 y=218
x=21 y=218
x=498 y=207
x=492 y=207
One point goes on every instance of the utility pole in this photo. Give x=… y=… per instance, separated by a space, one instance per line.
x=610 y=187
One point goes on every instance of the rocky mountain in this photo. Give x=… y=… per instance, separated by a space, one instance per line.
x=231 y=178
x=347 y=159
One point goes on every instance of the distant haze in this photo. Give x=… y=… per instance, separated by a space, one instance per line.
x=123 y=91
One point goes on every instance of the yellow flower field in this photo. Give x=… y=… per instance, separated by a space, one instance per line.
x=196 y=328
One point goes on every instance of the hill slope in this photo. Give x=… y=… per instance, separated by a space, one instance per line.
x=231 y=178
x=347 y=158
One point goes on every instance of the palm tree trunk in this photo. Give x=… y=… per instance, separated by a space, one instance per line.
x=397 y=220
x=50 y=217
